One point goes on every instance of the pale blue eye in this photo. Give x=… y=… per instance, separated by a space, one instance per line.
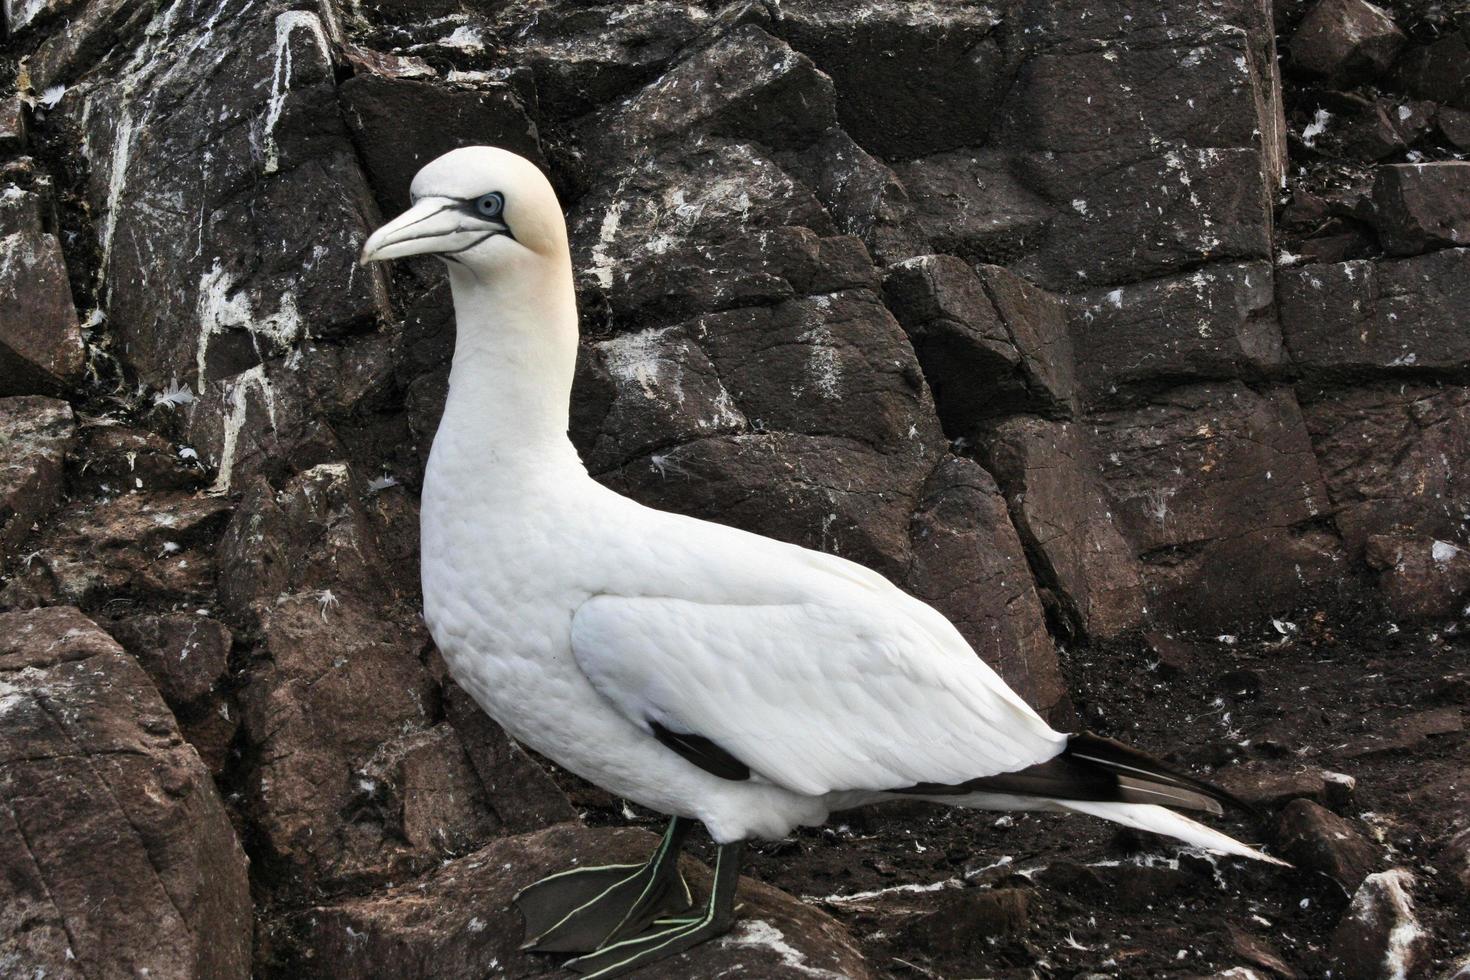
x=490 y=205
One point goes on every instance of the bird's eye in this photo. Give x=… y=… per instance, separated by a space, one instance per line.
x=490 y=205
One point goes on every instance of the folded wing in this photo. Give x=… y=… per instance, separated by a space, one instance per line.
x=813 y=696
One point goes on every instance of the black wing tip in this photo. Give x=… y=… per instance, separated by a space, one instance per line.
x=702 y=752
x=1122 y=758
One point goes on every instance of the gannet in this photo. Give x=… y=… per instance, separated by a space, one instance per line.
x=704 y=672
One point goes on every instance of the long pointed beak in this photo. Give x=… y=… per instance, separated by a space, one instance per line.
x=435 y=224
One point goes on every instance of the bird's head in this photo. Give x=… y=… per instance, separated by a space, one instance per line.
x=479 y=208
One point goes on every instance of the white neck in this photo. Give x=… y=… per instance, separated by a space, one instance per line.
x=515 y=354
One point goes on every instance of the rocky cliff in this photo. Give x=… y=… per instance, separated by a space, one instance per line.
x=1130 y=335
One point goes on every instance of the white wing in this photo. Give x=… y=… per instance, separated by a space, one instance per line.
x=876 y=693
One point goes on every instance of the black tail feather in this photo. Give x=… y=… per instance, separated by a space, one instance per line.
x=1096 y=769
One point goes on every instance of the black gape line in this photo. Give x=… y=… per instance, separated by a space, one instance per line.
x=624 y=916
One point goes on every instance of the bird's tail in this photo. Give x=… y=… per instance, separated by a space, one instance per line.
x=1151 y=817
x=1107 y=779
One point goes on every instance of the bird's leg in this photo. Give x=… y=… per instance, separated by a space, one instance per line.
x=667 y=936
x=584 y=909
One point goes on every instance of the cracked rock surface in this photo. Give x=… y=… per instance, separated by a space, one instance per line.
x=1130 y=336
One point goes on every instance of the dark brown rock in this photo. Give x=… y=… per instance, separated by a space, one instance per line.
x=746 y=85
x=968 y=203
x=121 y=459
x=518 y=789
x=1384 y=314
x=1216 y=322
x=93 y=28
x=400 y=124
x=1141 y=186
x=1057 y=501
x=1215 y=487
x=1317 y=839
x=670 y=233
x=40 y=340
x=965 y=922
x=1387 y=456
x=1408 y=732
x=257 y=249
x=1436 y=70
x=990 y=344
x=910 y=80
x=1379 y=935
x=460 y=924
x=969 y=564
x=13 y=127
x=120 y=859
x=1453 y=859
x=581 y=59
x=1421 y=578
x=1455 y=124
x=184 y=654
x=1272 y=784
x=1257 y=951
x=154 y=546
x=35 y=436
x=1420 y=206
x=1346 y=40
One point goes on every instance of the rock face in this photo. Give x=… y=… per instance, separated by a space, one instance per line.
x=40 y=340
x=36 y=434
x=1022 y=305
x=119 y=856
x=459 y=923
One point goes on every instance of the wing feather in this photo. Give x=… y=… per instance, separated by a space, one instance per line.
x=815 y=696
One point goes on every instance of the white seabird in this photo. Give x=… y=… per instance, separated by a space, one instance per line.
x=701 y=671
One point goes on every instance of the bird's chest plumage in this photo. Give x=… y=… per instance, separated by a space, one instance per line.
x=498 y=598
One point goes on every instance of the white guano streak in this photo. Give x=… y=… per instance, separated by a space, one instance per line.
x=286 y=25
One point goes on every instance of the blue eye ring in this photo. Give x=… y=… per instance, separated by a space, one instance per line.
x=490 y=205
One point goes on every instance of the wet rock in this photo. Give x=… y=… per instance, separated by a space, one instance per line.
x=965 y=922
x=518 y=789
x=1422 y=578
x=400 y=124
x=1379 y=935
x=120 y=859
x=1057 y=501
x=35 y=435
x=1387 y=456
x=969 y=564
x=746 y=85
x=990 y=343
x=1420 y=206
x=459 y=923
x=910 y=80
x=1317 y=839
x=1216 y=322
x=40 y=340
x=1385 y=314
x=1346 y=40
x=154 y=547
x=1215 y=487
x=267 y=255
x=968 y=203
